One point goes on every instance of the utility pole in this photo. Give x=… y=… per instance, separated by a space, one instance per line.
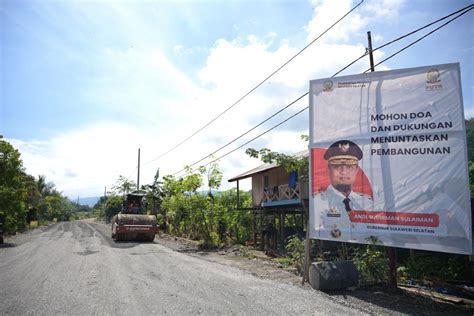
x=138 y=173
x=371 y=55
x=392 y=255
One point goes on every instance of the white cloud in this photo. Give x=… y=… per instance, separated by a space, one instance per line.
x=238 y=65
x=326 y=12
x=469 y=113
x=178 y=49
x=160 y=105
x=83 y=161
x=387 y=10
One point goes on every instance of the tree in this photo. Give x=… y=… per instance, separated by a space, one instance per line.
x=58 y=207
x=212 y=219
x=470 y=138
x=12 y=187
x=287 y=162
x=154 y=192
x=471 y=178
x=124 y=185
x=112 y=206
x=33 y=194
x=214 y=177
x=232 y=223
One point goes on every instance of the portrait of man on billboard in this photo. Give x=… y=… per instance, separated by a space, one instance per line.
x=339 y=198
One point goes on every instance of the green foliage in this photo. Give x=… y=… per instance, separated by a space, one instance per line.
x=12 y=188
x=471 y=178
x=108 y=206
x=284 y=261
x=402 y=274
x=123 y=186
x=445 y=266
x=112 y=206
x=245 y=252
x=57 y=207
x=214 y=177
x=470 y=138
x=187 y=213
x=287 y=162
x=45 y=188
x=233 y=224
x=212 y=219
x=371 y=262
x=21 y=194
x=295 y=249
x=98 y=208
x=154 y=194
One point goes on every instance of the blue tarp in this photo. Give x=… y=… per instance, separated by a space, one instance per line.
x=292 y=179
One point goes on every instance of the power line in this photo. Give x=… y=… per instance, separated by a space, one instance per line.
x=430 y=24
x=404 y=36
x=257 y=86
x=248 y=131
x=136 y=168
x=464 y=11
x=258 y=136
x=426 y=35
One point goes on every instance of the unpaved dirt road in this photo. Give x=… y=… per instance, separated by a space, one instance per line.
x=75 y=268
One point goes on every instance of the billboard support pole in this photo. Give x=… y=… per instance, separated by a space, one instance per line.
x=392 y=255
x=138 y=172
x=307 y=248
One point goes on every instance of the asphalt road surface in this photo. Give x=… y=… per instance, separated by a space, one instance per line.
x=76 y=268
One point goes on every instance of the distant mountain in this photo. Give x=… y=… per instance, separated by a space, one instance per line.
x=205 y=192
x=90 y=201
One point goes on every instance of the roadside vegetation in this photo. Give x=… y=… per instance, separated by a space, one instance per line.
x=209 y=216
x=25 y=198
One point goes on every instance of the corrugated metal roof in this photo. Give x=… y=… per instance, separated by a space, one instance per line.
x=265 y=167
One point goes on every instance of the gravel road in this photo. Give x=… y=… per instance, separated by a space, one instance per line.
x=75 y=268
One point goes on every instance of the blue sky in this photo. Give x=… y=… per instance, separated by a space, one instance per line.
x=86 y=83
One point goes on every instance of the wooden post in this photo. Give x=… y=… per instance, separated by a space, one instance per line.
x=282 y=228
x=253 y=229
x=307 y=246
x=307 y=253
x=138 y=172
x=238 y=195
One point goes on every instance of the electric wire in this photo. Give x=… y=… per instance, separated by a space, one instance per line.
x=251 y=140
x=424 y=36
x=136 y=168
x=257 y=86
x=466 y=9
x=245 y=133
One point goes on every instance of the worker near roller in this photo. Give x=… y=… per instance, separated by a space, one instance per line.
x=338 y=200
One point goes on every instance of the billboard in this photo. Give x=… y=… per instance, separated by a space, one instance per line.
x=389 y=159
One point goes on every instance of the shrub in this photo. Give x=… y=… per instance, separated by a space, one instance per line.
x=371 y=262
x=295 y=248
